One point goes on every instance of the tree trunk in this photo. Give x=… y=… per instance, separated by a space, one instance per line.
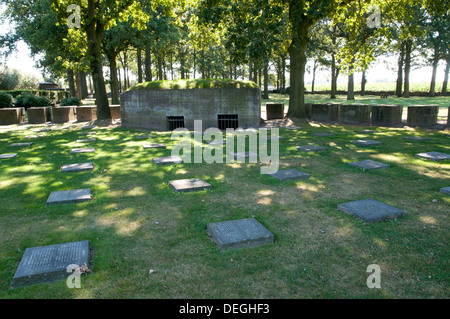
x=433 y=76
x=314 y=76
x=120 y=81
x=83 y=82
x=351 y=86
x=139 y=66
x=148 y=64
x=297 y=53
x=266 y=81
x=114 y=80
x=408 y=46
x=401 y=59
x=444 y=84
x=160 y=69
x=250 y=70
x=72 y=89
x=78 y=79
x=95 y=31
x=363 y=83
x=283 y=74
x=333 y=77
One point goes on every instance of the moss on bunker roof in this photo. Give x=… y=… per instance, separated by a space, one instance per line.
x=194 y=84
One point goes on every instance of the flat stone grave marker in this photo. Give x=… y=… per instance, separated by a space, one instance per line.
x=289 y=174
x=244 y=131
x=369 y=165
x=217 y=142
x=241 y=233
x=366 y=132
x=433 y=156
x=88 y=133
x=82 y=150
x=6 y=156
x=73 y=168
x=20 y=144
x=323 y=134
x=43 y=130
x=275 y=138
x=445 y=190
x=311 y=148
x=189 y=185
x=150 y=146
x=89 y=127
x=33 y=136
x=371 y=210
x=244 y=155
x=87 y=140
x=49 y=263
x=417 y=138
x=67 y=197
x=291 y=127
x=366 y=142
x=144 y=137
x=167 y=160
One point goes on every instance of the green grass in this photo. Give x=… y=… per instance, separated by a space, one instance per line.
x=135 y=222
x=379 y=86
x=194 y=84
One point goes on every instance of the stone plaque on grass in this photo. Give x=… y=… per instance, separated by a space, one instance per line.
x=445 y=190
x=241 y=233
x=82 y=150
x=371 y=210
x=20 y=144
x=89 y=127
x=311 y=148
x=6 y=156
x=417 y=138
x=73 y=168
x=29 y=137
x=88 y=133
x=366 y=142
x=189 y=185
x=144 y=137
x=67 y=197
x=87 y=140
x=434 y=156
x=369 y=165
x=243 y=155
x=291 y=127
x=289 y=174
x=168 y=160
x=150 y=146
x=49 y=263
x=323 y=134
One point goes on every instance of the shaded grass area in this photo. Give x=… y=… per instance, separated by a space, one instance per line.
x=135 y=222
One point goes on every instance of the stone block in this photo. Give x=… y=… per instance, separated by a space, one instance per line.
x=366 y=142
x=422 y=115
x=433 y=156
x=355 y=113
x=74 y=168
x=290 y=174
x=369 y=165
x=86 y=113
x=371 y=210
x=39 y=115
x=445 y=190
x=67 y=197
x=82 y=150
x=6 y=156
x=170 y=160
x=189 y=185
x=326 y=112
x=275 y=111
x=388 y=115
x=311 y=148
x=151 y=146
x=64 y=114
x=115 y=111
x=12 y=115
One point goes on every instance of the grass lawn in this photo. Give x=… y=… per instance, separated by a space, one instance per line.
x=136 y=223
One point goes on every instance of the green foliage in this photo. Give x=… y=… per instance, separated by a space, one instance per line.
x=27 y=100
x=71 y=101
x=9 y=79
x=194 y=84
x=6 y=100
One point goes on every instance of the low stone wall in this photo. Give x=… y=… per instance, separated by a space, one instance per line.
x=63 y=114
x=355 y=113
x=151 y=108
x=86 y=113
x=388 y=115
x=275 y=111
x=422 y=115
x=39 y=115
x=13 y=115
x=115 y=111
x=328 y=112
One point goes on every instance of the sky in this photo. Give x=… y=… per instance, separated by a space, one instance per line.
x=378 y=72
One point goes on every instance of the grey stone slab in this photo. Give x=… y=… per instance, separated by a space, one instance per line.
x=311 y=148
x=42 y=130
x=167 y=160
x=89 y=127
x=82 y=150
x=445 y=190
x=189 y=185
x=323 y=134
x=291 y=127
x=366 y=142
x=49 y=263
x=150 y=146
x=369 y=165
x=66 y=197
x=29 y=137
x=371 y=210
x=244 y=155
x=20 y=144
x=73 y=168
x=217 y=142
x=417 y=138
x=88 y=133
x=87 y=140
x=144 y=137
x=6 y=156
x=434 y=156
x=241 y=233
x=289 y=174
